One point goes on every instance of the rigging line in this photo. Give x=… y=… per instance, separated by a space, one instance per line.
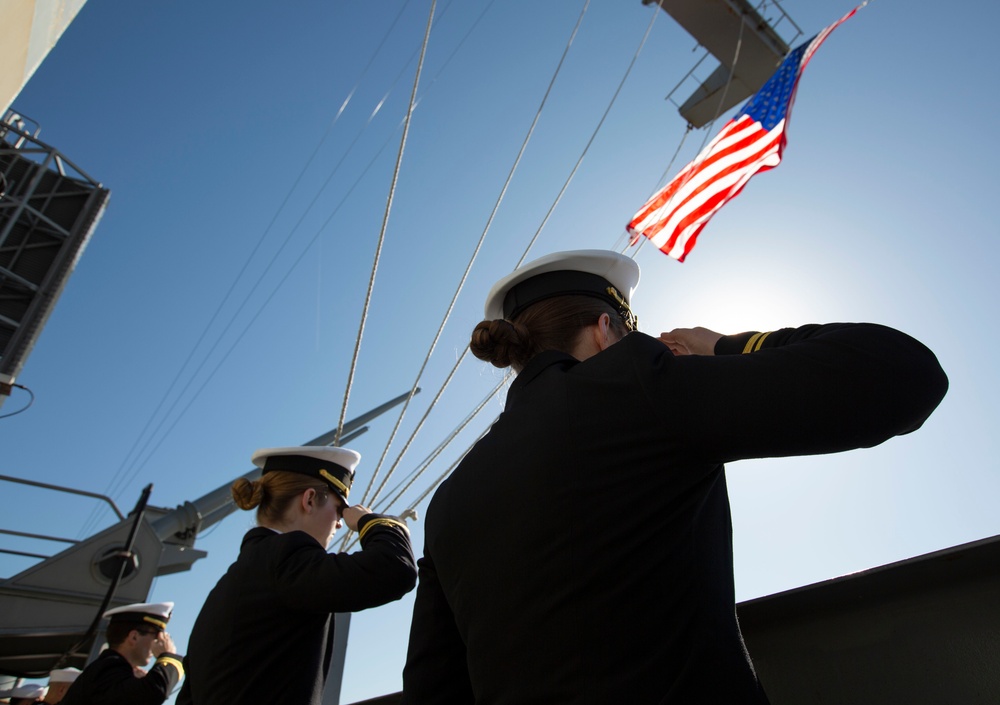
x=357 y=137
x=436 y=452
x=482 y=238
x=624 y=240
x=406 y=65
x=444 y=475
x=420 y=425
x=593 y=136
x=385 y=222
x=423 y=419
x=458 y=46
x=663 y=176
x=351 y=539
x=408 y=481
x=116 y=479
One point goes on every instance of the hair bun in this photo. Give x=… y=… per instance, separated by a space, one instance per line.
x=247 y=494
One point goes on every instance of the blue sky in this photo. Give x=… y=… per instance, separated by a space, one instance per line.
x=201 y=118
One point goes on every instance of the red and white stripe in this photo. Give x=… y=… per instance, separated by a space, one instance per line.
x=674 y=216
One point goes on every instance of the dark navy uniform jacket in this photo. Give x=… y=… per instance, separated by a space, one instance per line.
x=265 y=632
x=110 y=680
x=582 y=551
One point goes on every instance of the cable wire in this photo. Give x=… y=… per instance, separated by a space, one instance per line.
x=614 y=97
x=385 y=223
x=479 y=244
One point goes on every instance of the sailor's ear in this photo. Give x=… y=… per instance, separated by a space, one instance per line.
x=603 y=332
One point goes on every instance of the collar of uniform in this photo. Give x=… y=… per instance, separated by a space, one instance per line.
x=543 y=360
x=538 y=364
x=257 y=533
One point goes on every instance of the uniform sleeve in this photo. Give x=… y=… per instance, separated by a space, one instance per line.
x=798 y=391
x=164 y=675
x=307 y=577
x=436 y=669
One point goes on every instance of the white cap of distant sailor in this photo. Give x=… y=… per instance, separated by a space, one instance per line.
x=64 y=675
x=29 y=690
x=329 y=464
x=604 y=274
x=155 y=613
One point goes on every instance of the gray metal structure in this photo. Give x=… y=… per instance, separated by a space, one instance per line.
x=48 y=211
x=922 y=631
x=721 y=26
x=46 y=610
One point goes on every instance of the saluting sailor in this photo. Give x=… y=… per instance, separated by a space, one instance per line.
x=265 y=632
x=582 y=551
x=136 y=633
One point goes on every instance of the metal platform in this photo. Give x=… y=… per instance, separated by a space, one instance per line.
x=747 y=46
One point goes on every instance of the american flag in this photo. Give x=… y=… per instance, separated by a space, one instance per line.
x=752 y=141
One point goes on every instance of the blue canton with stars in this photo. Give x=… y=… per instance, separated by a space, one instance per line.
x=770 y=104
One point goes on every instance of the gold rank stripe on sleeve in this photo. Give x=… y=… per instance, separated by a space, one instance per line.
x=382 y=521
x=171 y=661
x=756 y=340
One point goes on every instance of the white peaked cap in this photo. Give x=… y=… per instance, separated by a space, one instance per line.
x=155 y=613
x=508 y=297
x=330 y=464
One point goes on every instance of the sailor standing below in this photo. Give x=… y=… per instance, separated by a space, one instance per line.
x=265 y=632
x=582 y=551
x=59 y=682
x=135 y=634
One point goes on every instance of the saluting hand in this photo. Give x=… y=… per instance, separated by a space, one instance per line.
x=691 y=341
x=163 y=644
x=353 y=514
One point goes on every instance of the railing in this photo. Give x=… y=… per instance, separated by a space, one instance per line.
x=45 y=537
